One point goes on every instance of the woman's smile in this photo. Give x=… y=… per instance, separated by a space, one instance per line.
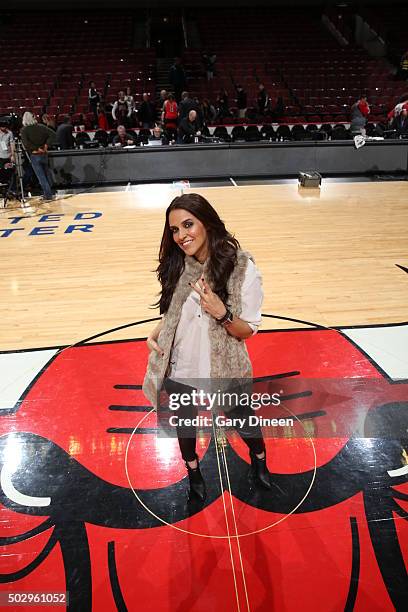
x=189 y=233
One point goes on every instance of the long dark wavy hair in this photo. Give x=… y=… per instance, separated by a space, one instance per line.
x=222 y=250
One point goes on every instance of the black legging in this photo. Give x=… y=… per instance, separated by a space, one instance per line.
x=251 y=434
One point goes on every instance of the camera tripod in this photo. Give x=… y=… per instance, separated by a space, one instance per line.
x=17 y=177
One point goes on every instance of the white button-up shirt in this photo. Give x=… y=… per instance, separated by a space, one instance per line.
x=190 y=354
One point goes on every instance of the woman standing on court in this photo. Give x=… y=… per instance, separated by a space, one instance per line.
x=211 y=295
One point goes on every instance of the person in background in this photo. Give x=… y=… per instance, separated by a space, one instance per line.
x=37 y=139
x=400 y=122
x=189 y=128
x=403 y=67
x=94 y=97
x=163 y=97
x=147 y=112
x=158 y=135
x=262 y=99
x=81 y=122
x=241 y=101
x=103 y=123
x=64 y=137
x=279 y=109
x=123 y=138
x=160 y=103
x=209 y=60
x=177 y=78
x=403 y=103
x=169 y=117
x=49 y=121
x=222 y=105
x=186 y=105
x=359 y=113
x=131 y=101
x=121 y=110
x=197 y=108
x=7 y=152
x=208 y=112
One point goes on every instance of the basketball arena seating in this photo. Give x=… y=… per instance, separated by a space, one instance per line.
x=296 y=58
x=390 y=24
x=47 y=61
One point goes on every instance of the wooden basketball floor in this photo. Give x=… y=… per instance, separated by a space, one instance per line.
x=93 y=496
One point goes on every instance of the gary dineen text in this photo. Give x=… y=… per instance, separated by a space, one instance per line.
x=223 y=421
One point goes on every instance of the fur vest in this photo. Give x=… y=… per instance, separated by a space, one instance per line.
x=229 y=355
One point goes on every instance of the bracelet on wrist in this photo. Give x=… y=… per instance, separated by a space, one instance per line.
x=227 y=318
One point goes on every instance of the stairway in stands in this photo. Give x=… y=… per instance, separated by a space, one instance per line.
x=163 y=65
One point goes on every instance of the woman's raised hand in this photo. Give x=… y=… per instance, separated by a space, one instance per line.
x=210 y=302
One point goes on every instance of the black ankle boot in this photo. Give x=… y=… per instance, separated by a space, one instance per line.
x=261 y=471
x=197 y=484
